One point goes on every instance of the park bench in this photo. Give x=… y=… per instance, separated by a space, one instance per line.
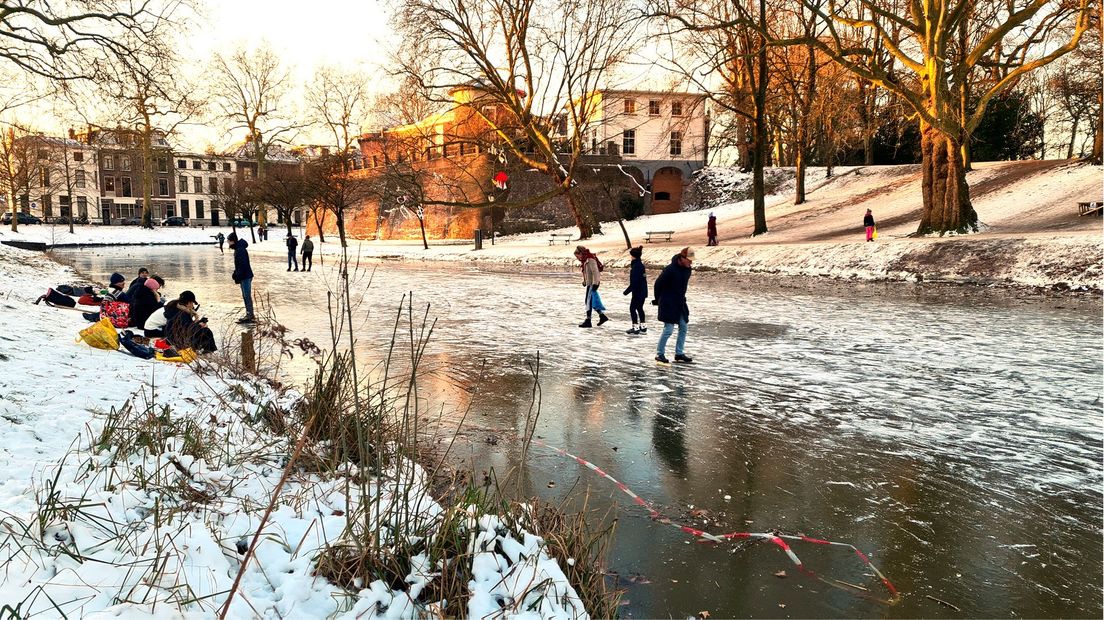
x=565 y=237
x=654 y=235
x=1091 y=208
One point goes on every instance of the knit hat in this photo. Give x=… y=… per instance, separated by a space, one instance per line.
x=637 y=252
x=152 y=284
x=687 y=253
x=117 y=278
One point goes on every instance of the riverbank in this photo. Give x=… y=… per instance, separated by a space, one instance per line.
x=135 y=487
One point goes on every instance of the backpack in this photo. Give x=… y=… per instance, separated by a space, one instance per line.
x=601 y=267
x=136 y=349
x=117 y=311
x=89 y=299
x=56 y=298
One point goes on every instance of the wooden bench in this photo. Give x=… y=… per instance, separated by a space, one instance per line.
x=565 y=237
x=656 y=234
x=1091 y=208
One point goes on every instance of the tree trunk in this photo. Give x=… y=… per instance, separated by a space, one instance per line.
x=621 y=223
x=758 y=187
x=341 y=227
x=287 y=221
x=584 y=218
x=425 y=242
x=147 y=175
x=947 y=206
x=743 y=159
x=14 y=208
x=319 y=223
x=1073 y=137
x=799 y=176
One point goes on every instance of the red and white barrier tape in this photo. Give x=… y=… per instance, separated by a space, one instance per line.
x=776 y=538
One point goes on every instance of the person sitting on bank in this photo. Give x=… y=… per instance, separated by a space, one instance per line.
x=179 y=325
x=136 y=283
x=145 y=301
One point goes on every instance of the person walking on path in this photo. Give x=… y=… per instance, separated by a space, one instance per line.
x=711 y=230
x=592 y=276
x=243 y=274
x=220 y=238
x=868 y=222
x=670 y=296
x=292 y=244
x=308 y=253
x=638 y=287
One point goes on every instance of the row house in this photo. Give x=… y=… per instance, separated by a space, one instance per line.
x=123 y=172
x=63 y=179
x=201 y=179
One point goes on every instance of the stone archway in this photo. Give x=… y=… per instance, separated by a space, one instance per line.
x=667 y=190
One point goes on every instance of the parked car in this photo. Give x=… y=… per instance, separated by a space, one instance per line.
x=130 y=221
x=23 y=218
x=175 y=220
x=80 y=219
x=240 y=223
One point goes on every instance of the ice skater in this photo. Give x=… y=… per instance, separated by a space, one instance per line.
x=711 y=230
x=638 y=288
x=220 y=238
x=592 y=275
x=243 y=274
x=670 y=296
x=868 y=222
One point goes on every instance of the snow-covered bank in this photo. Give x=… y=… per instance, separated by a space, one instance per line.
x=134 y=488
x=57 y=235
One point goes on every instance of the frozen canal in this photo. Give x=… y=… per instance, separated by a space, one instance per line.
x=954 y=436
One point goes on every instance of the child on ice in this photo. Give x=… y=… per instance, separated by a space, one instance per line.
x=638 y=287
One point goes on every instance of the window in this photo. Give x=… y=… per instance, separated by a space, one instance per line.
x=653 y=107
x=43 y=154
x=45 y=177
x=82 y=206
x=212 y=185
x=182 y=164
x=182 y=184
x=225 y=167
x=79 y=180
x=676 y=143
x=628 y=142
x=676 y=108
x=195 y=164
x=227 y=185
x=662 y=195
x=185 y=212
x=109 y=184
x=125 y=162
x=211 y=166
x=199 y=209
x=630 y=106
x=109 y=162
x=162 y=164
x=78 y=156
x=162 y=187
x=124 y=182
x=197 y=184
x=247 y=173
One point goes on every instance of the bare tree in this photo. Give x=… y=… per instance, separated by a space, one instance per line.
x=524 y=63
x=250 y=91
x=19 y=168
x=287 y=190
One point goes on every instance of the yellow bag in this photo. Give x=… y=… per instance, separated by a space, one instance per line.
x=101 y=335
x=874 y=236
x=186 y=356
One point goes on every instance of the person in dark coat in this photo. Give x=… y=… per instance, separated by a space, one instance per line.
x=183 y=330
x=711 y=230
x=638 y=287
x=292 y=243
x=868 y=222
x=243 y=274
x=145 y=301
x=137 y=283
x=670 y=296
x=220 y=238
x=308 y=253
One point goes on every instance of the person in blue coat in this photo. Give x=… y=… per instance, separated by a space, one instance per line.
x=638 y=288
x=670 y=295
x=243 y=274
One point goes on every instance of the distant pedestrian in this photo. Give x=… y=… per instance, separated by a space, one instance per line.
x=638 y=288
x=670 y=296
x=711 y=230
x=243 y=274
x=308 y=253
x=292 y=244
x=220 y=238
x=261 y=233
x=592 y=275
x=868 y=222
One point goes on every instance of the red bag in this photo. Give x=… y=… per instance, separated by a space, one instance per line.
x=161 y=344
x=117 y=311
x=89 y=300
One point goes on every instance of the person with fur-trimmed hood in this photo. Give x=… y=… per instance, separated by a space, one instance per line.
x=592 y=276
x=670 y=295
x=638 y=287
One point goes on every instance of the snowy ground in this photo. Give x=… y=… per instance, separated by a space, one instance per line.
x=1031 y=234
x=149 y=512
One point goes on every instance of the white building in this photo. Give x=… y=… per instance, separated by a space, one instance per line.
x=66 y=183
x=200 y=180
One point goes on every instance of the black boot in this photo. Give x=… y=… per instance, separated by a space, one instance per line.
x=585 y=323
x=602 y=318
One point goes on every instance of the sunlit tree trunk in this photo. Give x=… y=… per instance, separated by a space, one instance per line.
x=947 y=205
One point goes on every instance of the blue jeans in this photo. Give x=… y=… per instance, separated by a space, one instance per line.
x=247 y=295
x=292 y=259
x=680 y=342
x=594 y=302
